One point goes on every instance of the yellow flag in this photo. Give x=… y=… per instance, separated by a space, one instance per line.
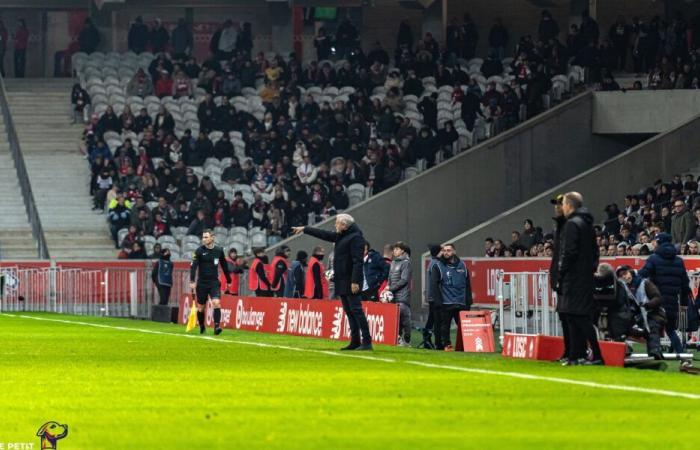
x=192 y=319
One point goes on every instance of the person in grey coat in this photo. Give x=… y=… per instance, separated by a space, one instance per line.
x=400 y=286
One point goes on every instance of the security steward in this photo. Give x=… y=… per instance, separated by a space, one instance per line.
x=316 y=283
x=258 y=281
x=278 y=270
x=207 y=259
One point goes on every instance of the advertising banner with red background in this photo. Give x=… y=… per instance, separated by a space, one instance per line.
x=483 y=271
x=300 y=317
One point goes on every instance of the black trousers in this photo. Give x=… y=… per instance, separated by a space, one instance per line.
x=278 y=293
x=565 y=332
x=448 y=313
x=582 y=332
x=356 y=318
x=432 y=324
x=164 y=294
x=263 y=293
x=20 y=63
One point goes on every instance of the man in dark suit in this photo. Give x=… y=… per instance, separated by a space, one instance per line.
x=347 y=266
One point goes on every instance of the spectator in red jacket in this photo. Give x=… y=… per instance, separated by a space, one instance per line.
x=164 y=85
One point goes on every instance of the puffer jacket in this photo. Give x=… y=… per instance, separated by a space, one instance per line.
x=400 y=279
x=667 y=271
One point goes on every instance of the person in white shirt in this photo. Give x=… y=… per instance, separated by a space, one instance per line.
x=307 y=172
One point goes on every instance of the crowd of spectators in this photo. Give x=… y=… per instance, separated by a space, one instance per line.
x=663 y=51
x=303 y=152
x=671 y=207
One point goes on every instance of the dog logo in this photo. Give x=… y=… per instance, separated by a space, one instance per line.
x=50 y=433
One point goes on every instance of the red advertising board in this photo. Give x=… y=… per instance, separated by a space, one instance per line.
x=483 y=271
x=300 y=317
x=550 y=348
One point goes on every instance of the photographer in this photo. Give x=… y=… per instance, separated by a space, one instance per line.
x=614 y=301
x=650 y=302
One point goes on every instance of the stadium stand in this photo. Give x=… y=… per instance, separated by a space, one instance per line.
x=245 y=134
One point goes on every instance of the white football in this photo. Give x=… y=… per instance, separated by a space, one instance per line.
x=386 y=296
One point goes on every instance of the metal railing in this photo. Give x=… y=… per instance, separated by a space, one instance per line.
x=526 y=304
x=22 y=175
x=111 y=291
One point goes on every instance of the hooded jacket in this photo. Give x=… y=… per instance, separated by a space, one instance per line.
x=578 y=261
x=667 y=271
x=400 y=279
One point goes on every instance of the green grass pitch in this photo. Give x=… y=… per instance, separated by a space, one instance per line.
x=126 y=384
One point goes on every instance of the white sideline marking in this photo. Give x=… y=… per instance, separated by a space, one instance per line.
x=526 y=376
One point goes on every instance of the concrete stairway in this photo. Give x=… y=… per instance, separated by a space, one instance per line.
x=58 y=173
x=16 y=241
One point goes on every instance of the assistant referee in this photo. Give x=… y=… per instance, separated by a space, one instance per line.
x=208 y=258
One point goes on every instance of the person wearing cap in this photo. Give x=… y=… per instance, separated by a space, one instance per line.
x=667 y=271
x=296 y=277
x=559 y=221
x=578 y=262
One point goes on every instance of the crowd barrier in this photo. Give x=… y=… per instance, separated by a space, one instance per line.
x=299 y=317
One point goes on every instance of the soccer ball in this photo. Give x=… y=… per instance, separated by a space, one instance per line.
x=386 y=296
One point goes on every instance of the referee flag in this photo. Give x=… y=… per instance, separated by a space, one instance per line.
x=192 y=319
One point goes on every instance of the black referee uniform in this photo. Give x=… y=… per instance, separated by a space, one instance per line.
x=208 y=261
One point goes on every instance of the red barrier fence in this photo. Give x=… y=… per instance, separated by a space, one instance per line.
x=300 y=317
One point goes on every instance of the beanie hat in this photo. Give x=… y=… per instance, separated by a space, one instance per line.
x=434 y=249
x=663 y=238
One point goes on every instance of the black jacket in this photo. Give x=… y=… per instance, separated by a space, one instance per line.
x=556 y=246
x=578 y=261
x=348 y=256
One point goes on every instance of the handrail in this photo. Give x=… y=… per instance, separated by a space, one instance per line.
x=22 y=175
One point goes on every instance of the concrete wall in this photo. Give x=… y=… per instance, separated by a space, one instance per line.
x=484 y=181
x=659 y=157
x=643 y=111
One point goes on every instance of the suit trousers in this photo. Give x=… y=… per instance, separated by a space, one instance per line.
x=356 y=318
